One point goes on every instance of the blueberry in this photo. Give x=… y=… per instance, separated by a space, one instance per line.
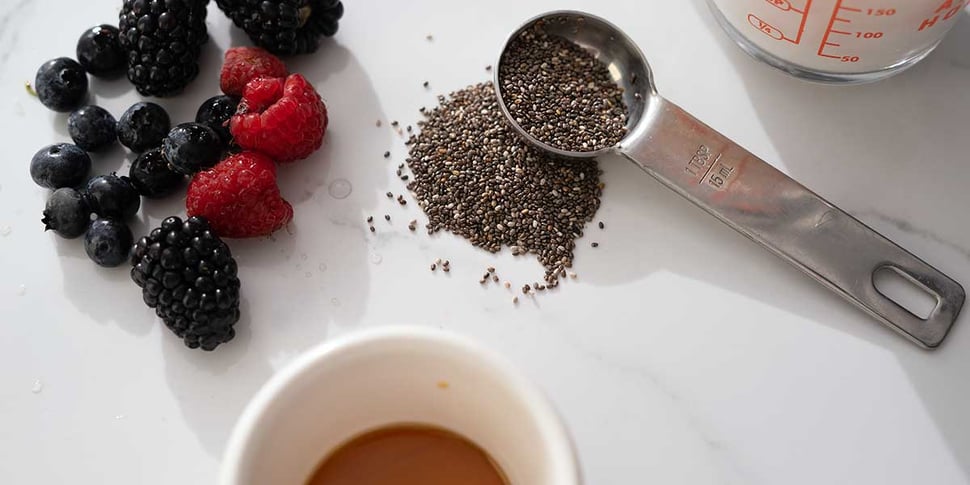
x=61 y=84
x=215 y=113
x=67 y=214
x=108 y=242
x=92 y=128
x=112 y=196
x=191 y=147
x=152 y=176
x=99 y=52
x=143 y=126
x=59 y=165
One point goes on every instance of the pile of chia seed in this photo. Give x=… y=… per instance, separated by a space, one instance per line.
x=474 y=177
x=560 y=94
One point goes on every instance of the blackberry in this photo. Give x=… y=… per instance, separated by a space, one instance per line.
x=61 y=84
x=59 y=165
x=192 y=147
x=99 y=52
x=187 y=274
x=108 y=242
x=66 y=213
x=162 y=41
x=152 y=176
x=92 y=128
x=285 y=27
x=143 y=126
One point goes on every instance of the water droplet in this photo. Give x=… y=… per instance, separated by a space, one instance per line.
x=22 y=290
x=340 y=189
x=37 y=387
x=376 y=258
x=323 y=267
x=308 y=274
x=5 y=231
x=335 y=301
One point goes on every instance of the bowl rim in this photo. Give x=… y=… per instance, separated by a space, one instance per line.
x=559 y=445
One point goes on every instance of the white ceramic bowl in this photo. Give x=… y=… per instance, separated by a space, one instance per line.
x=394 y=375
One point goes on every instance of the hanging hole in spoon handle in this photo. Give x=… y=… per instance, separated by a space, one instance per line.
x=788 y=219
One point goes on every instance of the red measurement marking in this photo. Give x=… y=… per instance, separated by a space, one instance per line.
x=801 y=28
x=839 y=8
x=775 y=32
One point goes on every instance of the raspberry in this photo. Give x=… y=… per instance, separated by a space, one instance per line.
x=239 y=197
x=285 y=119
x=243 y=64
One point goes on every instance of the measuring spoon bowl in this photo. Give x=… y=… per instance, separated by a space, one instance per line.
x=626 y=64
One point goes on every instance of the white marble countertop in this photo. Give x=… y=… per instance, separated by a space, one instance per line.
x=683 y=353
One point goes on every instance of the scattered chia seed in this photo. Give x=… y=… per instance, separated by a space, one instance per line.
x=372 y=229
x=390 y=195
x=491 y=269
x=370 y=219
x=429 y=37
x=387 y=154
x=595 y=244
x=515 y=300
x=494 y=278
x=378 y=123
x=507 y=284
x=434 y=266
x=560 y=93
x=394 y=123
x=447 y=263
x=488 y=67
x=602 y=226
x=387 y=217
x=474 y=177
x=446 y=269
x=426 y=84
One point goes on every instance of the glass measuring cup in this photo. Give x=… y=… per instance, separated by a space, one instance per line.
x=745 y=192
x=838 y=41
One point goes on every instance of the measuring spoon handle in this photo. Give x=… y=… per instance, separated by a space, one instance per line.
x=788 y=219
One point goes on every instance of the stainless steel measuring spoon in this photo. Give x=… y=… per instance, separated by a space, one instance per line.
x=745 y=192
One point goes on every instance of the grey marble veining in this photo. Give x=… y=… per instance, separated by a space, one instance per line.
x=10 y=29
